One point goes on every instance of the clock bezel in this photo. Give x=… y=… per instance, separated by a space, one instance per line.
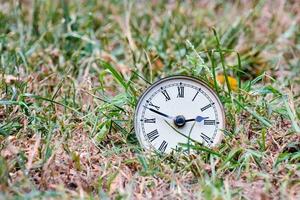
x=201 y=82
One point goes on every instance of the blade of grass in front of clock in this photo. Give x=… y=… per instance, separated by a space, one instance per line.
x=199 y=145
x=189 y=136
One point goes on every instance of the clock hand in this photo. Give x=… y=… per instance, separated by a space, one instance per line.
x=160 y=113
x=197 y=119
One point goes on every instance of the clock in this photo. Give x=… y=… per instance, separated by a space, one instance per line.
x=177 y=112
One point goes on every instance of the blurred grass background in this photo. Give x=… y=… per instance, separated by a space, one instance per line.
x=71 y=73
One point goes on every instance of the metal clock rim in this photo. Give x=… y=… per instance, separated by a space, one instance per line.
x=182 y=77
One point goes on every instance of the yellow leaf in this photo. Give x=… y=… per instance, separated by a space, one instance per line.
x=232 y=81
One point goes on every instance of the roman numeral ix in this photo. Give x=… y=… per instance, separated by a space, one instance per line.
x=152 y=120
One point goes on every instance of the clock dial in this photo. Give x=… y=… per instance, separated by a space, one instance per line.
x=177 y=111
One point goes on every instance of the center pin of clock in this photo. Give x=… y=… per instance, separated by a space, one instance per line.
x=179 y=121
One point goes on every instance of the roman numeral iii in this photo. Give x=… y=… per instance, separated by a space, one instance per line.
x=180 y=92
x=209 y=122
x=153 y=135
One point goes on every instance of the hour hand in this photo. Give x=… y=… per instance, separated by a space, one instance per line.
x=197 y=119
x=160 y=113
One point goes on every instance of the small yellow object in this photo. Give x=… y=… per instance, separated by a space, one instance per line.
x=232 y=81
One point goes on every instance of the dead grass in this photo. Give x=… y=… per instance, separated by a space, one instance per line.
x=66 y=119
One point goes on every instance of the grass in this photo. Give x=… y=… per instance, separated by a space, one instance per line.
x=71 y=73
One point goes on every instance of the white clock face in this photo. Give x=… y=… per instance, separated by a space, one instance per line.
x=176 y=112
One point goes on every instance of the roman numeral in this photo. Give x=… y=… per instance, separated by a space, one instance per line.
x=154 y=106
x=207 y=106
x=209 y=122
x=149 y=120
x=196 y=94
x=180 y=92
x=163 y=146
x=165 y=93
x=206 y=138
x=152 y=135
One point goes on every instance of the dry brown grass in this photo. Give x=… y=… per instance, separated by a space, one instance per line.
x=72 y=141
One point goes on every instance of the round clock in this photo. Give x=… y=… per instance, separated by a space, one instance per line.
x=176 y=112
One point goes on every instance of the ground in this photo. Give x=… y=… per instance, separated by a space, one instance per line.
x=71 y=73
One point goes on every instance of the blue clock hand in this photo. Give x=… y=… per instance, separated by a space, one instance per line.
x=197 y=119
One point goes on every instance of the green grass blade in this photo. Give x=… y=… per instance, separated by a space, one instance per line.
x=263 y=120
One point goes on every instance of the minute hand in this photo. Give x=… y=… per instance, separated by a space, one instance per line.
x=197 y=119
x=160 y=113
